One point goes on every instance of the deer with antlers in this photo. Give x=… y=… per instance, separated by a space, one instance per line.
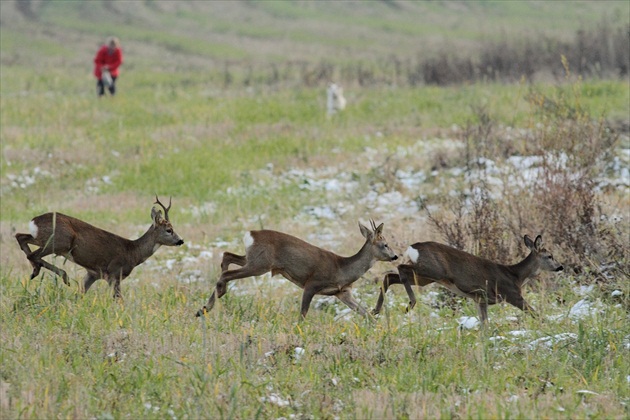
x=467 y=275
x=315 y=270
x=103 y=254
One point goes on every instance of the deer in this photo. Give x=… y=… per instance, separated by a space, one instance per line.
x=467 y=275
x=103 y=254
x=313 y=269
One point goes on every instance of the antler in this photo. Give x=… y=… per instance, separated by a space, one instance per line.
x=373 y=225
x=166 y=209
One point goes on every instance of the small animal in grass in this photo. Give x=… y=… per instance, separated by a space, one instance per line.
x=103 y=254
x=470 y=276
x=335 y=101
x=316 y=270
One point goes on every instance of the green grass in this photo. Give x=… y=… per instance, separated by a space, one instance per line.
x=150 y=138
x=225 y=155
x=93 y=357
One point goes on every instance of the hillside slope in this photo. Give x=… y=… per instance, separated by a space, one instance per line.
x=183 y=34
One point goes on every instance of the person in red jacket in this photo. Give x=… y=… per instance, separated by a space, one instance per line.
x=106 y=62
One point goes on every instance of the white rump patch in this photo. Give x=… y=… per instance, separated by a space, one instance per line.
x=32 y=227
x=412 y=253
x=248 y=240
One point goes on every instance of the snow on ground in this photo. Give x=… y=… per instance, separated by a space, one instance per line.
x=26 y=178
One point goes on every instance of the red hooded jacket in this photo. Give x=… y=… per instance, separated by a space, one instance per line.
x=104 y=58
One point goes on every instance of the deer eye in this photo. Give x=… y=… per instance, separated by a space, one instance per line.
x=169 y=230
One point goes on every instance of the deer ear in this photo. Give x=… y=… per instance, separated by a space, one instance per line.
x=367 y=233
x=538 y=243
x=156 y=215
x=528 y=242
x=379 y=230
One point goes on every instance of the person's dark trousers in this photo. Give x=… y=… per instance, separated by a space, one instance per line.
x=100 y=87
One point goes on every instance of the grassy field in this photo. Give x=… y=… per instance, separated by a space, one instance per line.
x=265 y=155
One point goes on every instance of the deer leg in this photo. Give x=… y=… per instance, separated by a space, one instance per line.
x=230 y=258
x=208 y=306
x=518 y=301
x=89 y=280
x=405 y=273
x=388 y=280
x=114 y=278
x=56 y=270
x=307 y=298
x=240 y=273
x=346 y=297
x=36 y=260
x=24 y=239
x=227 y=276
x=117 y=292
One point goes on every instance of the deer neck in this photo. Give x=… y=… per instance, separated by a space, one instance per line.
x=524 y=269
x=144 y=246
x=351 y=268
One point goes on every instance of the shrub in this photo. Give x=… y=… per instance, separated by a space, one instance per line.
x=543 y=182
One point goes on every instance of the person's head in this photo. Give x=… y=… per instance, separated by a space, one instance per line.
x=113 y=43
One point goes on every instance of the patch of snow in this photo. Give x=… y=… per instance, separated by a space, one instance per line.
x=343 y=314
x=585 y=290
x=298 y=353
x=549 y=341
x=388 y=202
x=206 y=255
x=27 y=178
x=586 y=391
x=519 y=333
x=192 y=276
x=323 y=212
x=275 y=399
x=202 y=210
x=411 y=180
x=468 y=322
x=582 y=309
x=170 y=263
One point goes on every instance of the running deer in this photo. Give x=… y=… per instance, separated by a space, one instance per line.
x=466 y=275
x=103 y=254
x=316 y=270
